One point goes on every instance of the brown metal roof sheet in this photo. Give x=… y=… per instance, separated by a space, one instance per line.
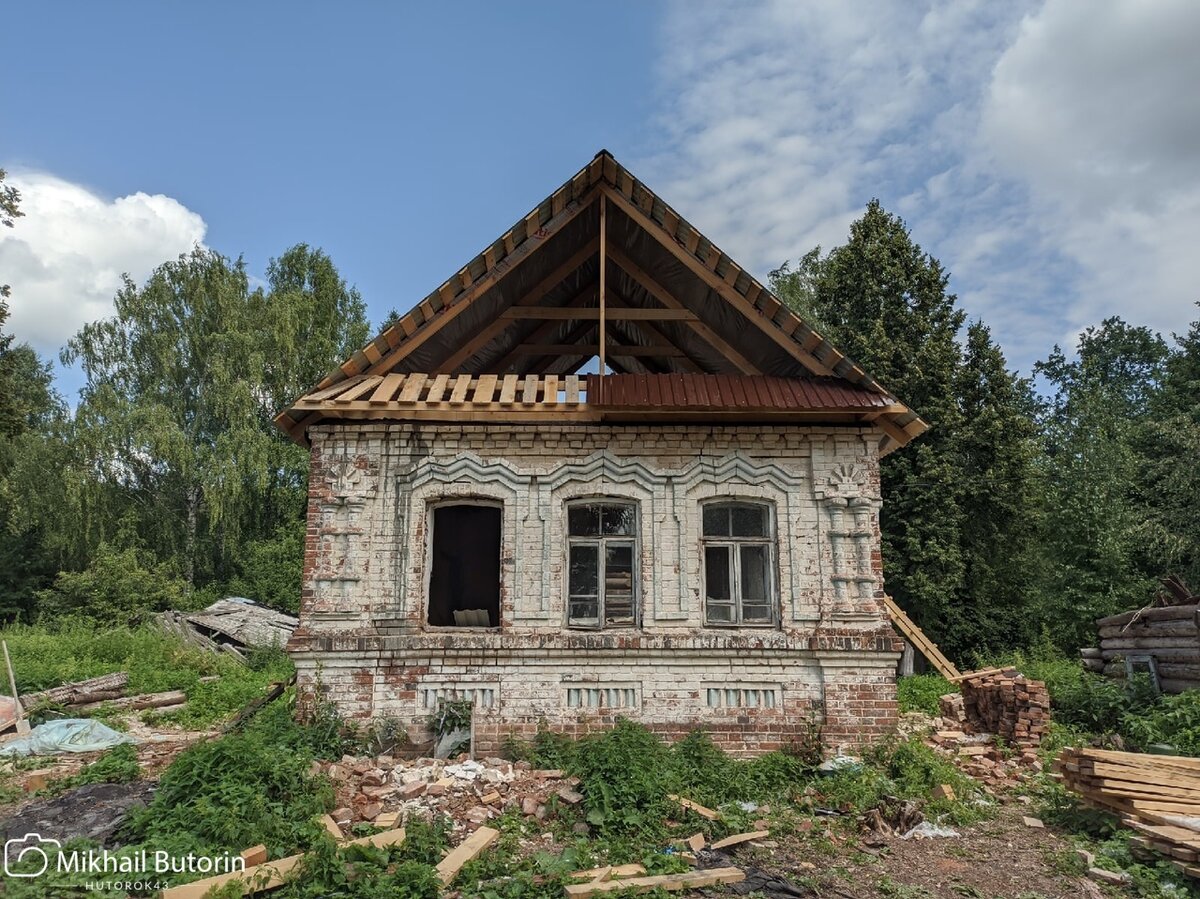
x=732 y=392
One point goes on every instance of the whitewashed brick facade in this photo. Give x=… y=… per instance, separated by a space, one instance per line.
x=827 y=661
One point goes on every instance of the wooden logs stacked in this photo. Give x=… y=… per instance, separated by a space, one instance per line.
x=1008 y=704
x=1168 y=634
x=1156 y=795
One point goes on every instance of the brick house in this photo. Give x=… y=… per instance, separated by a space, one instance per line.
x=690 y=539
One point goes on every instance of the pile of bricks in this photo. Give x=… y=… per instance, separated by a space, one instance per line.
x=1001 y=702
x=388 y=791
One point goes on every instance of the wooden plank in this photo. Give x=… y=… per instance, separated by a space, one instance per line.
x=387 y=388
x=615 y=872
x=508 y=389
x=468 y=850
x=696 y=807
x=255 y=855
x=983 y=672
x=530 y=390
x=592 y=313
x=461 y=385
x=740 y=838
x=572 y=388
x=464 y=300
x=603 y=297
x=437 y=389
x=484 y=390
x=593 y=349
x=692 y=880
x=917 y=637
x=269 y=875
x=366 y=385
x=331 y=827
x=412 y=388
x=550 y=382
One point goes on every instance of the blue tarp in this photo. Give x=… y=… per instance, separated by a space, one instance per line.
x=67 y=735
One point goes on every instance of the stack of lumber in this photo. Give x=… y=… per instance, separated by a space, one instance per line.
x=1156 y=795
x=1168 y=634
x=1004 y=702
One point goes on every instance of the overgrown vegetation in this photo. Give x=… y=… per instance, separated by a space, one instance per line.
x=75 y=649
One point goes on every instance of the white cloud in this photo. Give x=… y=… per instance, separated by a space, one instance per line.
x=1045 y=153
x=64 y=259
x=1096 y=110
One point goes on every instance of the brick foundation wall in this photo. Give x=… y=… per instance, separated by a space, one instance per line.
x=828 y=660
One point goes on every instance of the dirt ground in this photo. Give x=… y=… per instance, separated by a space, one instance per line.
x=999 y=858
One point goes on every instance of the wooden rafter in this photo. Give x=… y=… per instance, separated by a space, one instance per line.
x=534 y=296
x=653 y=334
x=461 y=302
x=593 y=349
x=724 y=289
x=663 y=296
x=627 y=313
x=541 y=332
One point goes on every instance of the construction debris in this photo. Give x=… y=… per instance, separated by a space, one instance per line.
x=268 y=875
x=1008 y=704
x=468 y=850
x=696 y=807
x=471 y=792
x=85 y=692
x=231 y=625
x=692 y=880
x=920 y=642
x=1156 y=795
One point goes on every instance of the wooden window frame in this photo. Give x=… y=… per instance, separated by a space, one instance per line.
x=734 y=546
x=601 y=543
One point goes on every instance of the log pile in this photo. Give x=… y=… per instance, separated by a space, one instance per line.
x=1169 y=635
x=1156 y=795
x=1006 y=703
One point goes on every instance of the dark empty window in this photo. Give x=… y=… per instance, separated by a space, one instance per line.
x=739 y=562
x=602 y=558
x=464 y=584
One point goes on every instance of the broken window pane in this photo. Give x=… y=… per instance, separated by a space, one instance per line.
x=616 y=520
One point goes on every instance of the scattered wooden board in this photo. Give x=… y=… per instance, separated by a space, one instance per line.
x=269 y=875
x=740 y=838
x=696 y=807
x=615 y=872
x=466 y=851
x=692 y=880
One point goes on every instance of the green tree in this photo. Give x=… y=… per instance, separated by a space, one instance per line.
x=1094 y=522
x=884 y=302
x=999 y=493
x=29 y=409
x=182 y=382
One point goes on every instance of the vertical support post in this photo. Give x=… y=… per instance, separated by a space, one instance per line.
x=603 y=266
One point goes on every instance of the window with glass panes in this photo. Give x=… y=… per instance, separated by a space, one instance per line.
x=739 y=563
x=602 y=548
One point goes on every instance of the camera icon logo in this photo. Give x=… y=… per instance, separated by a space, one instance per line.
x=31 y=849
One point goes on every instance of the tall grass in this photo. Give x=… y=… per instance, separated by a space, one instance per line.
x=49 y=655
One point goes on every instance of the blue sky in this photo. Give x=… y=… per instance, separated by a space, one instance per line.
x=1044 y=151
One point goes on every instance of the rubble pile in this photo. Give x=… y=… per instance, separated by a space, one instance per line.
x=994 y=727
x=471 y=792
x=1008 y=704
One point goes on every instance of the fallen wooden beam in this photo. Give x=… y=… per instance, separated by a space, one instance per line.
x=920 y=642
x=468 y=850
x=692 y=880
x=615 y=872
x=740 y=838
x=696 y=807
x=78 y=691
x=270 y=875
